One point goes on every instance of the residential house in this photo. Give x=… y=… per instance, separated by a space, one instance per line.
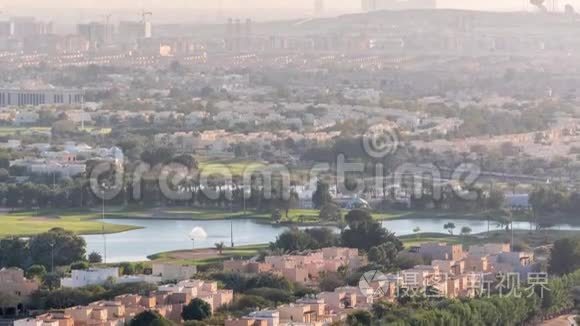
x=16 y=288
x=173 y=272
x=93 y=276
x=168 y=302
x=302 y=268
x=441 y=251
x=26 y=118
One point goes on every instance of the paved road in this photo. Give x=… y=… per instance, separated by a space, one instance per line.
x=566 y=320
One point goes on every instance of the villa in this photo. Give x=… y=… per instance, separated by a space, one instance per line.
x=98 y=276
x=93 y=276
x=453 y=272
x=301 y=268
x=184 y=291
x=168 y=301
x=322 y=309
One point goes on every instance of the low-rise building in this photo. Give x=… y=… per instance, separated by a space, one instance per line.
x=168 y=301
x=173 y=272
x=16 y=288
x=441 y=251
x=302 y=268
x=26 y=118
x=309 y=311
x=455 y=277
x=184 y=291
x=93 y=276
x=489 y=249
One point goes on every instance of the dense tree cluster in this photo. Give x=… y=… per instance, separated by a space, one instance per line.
x=482 y=122
x=308 y=239
x=150 y=318
x=493 y=311
x=242 y=282
x=46 y=299
x=554 y=199
x=196 y=309
x=254 y=292
x=565 y=256
x=364 y=232
x=56 y=247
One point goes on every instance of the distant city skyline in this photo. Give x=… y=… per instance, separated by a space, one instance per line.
x=65 y=14
x=263 y=4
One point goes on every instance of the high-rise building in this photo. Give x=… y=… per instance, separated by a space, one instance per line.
x=5 y=29
x=239 y=35
x=318 y=8
x=248 y=30
x=29 y=26
x=373 y=5
x=130 y=31
x=97 y=34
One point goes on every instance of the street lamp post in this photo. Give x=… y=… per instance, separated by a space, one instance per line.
x=103 y=225
x=51 y=243
x=232 y=232
x=197 y=233
x=192 y=242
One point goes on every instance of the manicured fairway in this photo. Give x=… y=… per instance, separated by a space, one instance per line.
x=31 y=223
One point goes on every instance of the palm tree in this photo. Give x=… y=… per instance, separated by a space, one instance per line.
x=220 y=247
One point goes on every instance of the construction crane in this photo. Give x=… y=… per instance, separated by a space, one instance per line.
x=541 y=5
x=145 y=14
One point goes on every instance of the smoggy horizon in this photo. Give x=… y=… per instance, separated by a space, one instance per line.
x=340 y=5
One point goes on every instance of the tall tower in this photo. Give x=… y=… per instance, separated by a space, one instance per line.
x=229 y=34
x=237 y=34
x=318 y=8
x=146 y=20
x=369 y=5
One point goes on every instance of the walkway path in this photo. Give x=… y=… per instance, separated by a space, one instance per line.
x=566 y=320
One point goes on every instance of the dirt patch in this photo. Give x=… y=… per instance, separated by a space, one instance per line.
x=43 y=218
x=198 y=254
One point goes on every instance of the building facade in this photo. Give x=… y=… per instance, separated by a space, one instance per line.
x=16 y=289
x=24 y=97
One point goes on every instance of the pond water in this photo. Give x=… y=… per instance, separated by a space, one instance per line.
x=167 y=235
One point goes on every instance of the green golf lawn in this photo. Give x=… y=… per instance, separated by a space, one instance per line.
x=31 y=223
x=7 y=131
x=176 y=257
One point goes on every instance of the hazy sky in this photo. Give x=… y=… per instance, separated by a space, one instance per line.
x=205 y=4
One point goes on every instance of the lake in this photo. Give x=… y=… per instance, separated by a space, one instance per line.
x=167 y=235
